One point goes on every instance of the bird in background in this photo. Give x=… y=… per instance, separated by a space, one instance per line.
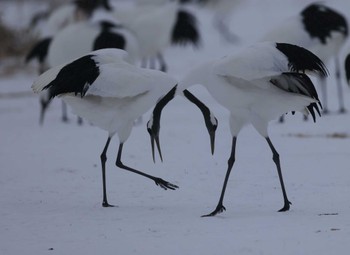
x=323 y=31
x=168 y=21
x=257 y=85
x=83 y=37
x=109 y=92
x=222 y=13
x=62 y=17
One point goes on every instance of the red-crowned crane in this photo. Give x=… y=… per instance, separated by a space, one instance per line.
x=258 y=85
x=109 y=92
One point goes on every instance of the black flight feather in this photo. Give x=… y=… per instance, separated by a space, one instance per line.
x=301 y=84
x=301 y=59
x=75 y=77
x=186 y=30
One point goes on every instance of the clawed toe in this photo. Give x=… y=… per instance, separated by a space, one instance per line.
x=219 y=209
x=286 y=207
x=106 y=204
x=165 y=185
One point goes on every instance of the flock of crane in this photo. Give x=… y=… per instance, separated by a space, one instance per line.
x=107 y=64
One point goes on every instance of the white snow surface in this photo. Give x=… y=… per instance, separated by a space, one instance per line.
x=51 y=187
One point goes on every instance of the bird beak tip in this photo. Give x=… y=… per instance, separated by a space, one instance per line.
x=152 y=145
x=158 y=147
x=212 y=142
x=155 y=138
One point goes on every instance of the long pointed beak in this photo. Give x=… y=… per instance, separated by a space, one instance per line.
x=156 y=138
x=212 y=141
x=153 y=124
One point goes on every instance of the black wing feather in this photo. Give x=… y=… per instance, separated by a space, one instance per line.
x=186 y=30
x=75 y=77
x=301 y=84
x=301 y=59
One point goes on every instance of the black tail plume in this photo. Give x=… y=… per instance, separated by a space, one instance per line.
x=186 y=30
x=301 y=59
x=299 y=83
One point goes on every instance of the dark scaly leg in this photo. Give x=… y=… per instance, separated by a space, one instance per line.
x=43 y=107
x=162 y=65
x=64 y=112
x=103 y=163
x=324 y=94
x=220 y=207
x=339 y=87
x=276 y=159
x=159 y=182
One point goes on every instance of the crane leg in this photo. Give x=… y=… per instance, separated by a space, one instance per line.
x=220 y=207
x=276 y=159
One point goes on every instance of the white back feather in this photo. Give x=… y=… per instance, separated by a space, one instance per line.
x=254 y=62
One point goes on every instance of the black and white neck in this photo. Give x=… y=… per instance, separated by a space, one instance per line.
x=153 y=125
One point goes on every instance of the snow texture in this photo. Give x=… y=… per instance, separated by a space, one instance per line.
x=51 y=187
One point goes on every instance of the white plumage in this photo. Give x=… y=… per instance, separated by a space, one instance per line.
x=80 y=38
x=70 y=13
x=61 y=17
x=156 y=25
x=257 y=85
x=110 y=93
x=151 y=23
x=222 y=13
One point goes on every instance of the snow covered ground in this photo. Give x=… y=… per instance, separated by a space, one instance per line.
x=51 y=189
